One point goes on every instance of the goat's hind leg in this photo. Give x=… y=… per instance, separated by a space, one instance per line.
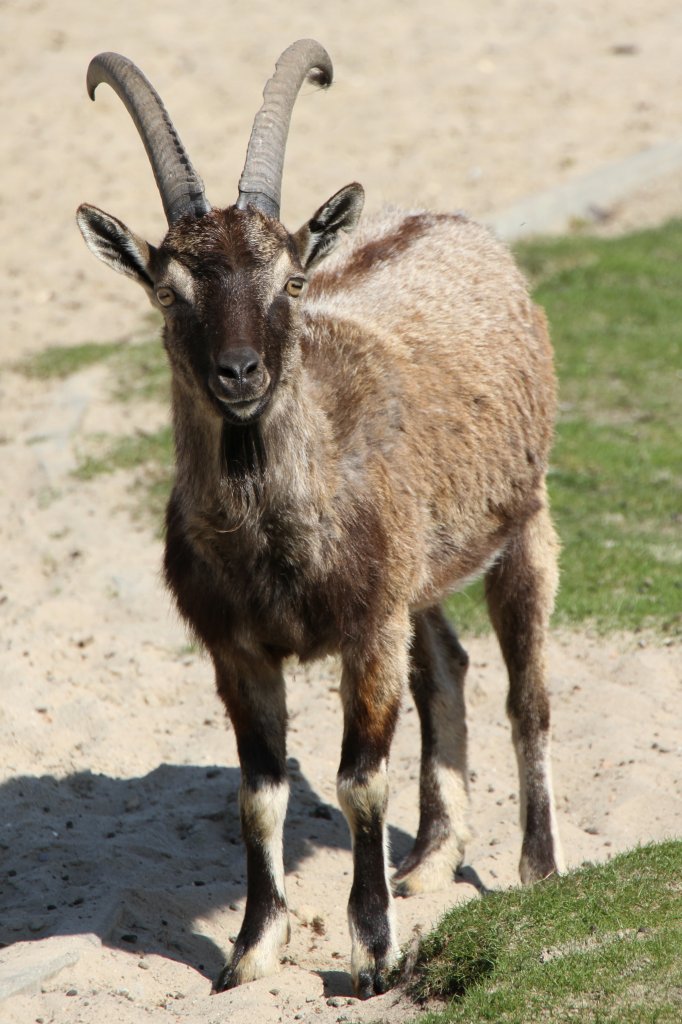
x=520 y=591
x=437 y=672
x=256 y=704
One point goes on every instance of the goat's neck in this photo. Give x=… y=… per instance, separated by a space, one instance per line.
x=237 y=473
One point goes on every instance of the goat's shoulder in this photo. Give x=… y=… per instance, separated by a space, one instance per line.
x=431 y=275
x=401 y=245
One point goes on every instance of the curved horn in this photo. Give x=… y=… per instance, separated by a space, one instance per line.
x=181 y=188
x=261 y=180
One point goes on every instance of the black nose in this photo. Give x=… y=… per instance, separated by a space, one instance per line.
x=238 y=364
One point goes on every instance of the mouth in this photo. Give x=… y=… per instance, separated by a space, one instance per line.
x=244 y=412
x=240 y=403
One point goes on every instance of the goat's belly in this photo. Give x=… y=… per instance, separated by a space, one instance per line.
x=443 y=578
x=451 y=565
x=461 y=548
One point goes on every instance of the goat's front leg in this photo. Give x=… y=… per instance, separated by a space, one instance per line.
x=255 y=701
x=371 y=687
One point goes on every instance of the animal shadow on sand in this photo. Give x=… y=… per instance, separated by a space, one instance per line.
x=150 y=865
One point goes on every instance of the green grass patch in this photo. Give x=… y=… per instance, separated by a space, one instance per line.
x=142 y=373
x=599 y=945
x=139 y=372
x=63 y=360
x=151 y=454
x=615 y=482
x=139 y=369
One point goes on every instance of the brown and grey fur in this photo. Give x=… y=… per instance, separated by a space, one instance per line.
x=395 y=447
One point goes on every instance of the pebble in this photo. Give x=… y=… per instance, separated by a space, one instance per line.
x=307 y=914
x=317 y=924
x=335 y=1001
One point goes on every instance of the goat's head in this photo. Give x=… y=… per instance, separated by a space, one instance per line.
x=228 y=282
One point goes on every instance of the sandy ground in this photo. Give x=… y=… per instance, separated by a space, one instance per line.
x=121 y=869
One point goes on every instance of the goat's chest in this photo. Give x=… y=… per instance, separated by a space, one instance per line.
x=262 y=584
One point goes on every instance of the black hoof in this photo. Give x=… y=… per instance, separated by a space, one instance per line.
x=372 y=983
x=225 y=980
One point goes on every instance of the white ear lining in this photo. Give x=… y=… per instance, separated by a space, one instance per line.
x=113 y=243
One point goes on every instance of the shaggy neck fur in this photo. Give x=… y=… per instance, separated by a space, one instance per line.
x=235 y=475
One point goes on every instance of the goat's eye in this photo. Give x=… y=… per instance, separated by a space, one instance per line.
x=166 y=296
x=295 y=285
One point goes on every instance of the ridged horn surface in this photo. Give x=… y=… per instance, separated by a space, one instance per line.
x=180 y=187
x=261 y=180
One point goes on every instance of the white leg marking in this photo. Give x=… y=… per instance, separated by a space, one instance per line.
x=435 y=870
x=263 y=958
x=362 y=803
x=538 y=771
x=263 y=812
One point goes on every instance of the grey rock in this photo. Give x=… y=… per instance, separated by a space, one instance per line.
x=554 y=210
x=26 y=966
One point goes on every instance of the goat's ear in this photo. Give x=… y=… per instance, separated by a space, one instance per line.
x=116 y=245
x=319 y=236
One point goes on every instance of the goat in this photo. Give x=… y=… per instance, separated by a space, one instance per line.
x=357 y=433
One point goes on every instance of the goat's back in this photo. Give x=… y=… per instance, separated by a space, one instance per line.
x=436 y=370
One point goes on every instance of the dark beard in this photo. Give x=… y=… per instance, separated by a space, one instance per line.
x=242 y=453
